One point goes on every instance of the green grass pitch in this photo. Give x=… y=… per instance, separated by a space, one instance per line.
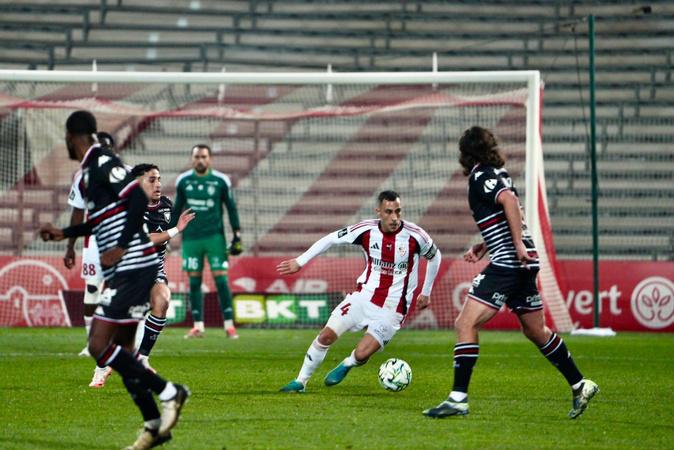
x=517 y=398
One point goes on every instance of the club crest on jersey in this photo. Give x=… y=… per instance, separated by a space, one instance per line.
x=402 y=250
x=489 y=185
x=117 y=174
x=167 y=215
x=210 y=190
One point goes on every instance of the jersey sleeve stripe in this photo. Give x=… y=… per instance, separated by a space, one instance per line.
x=128 y=188
x=223 y=177
x=499 y=193
x=183 y=175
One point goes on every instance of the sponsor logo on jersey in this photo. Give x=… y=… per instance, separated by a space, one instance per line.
x=489 y=185
x=374 y=246
x=117 y=174
x=342 y=232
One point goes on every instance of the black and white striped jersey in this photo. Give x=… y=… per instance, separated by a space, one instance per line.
x=157 y=218
x=108 y=186
x=484 y=185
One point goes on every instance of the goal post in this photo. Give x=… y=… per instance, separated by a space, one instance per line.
x=307 y=154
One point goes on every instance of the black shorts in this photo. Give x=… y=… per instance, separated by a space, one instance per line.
x=497 y=286
x=126 y=296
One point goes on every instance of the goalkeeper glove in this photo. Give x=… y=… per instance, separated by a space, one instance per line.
x=235 y=247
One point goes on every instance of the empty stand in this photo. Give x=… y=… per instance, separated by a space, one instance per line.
x=634 y=76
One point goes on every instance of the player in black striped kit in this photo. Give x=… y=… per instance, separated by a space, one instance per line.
x=157 y=218
x=509 y=279
x=116 y=204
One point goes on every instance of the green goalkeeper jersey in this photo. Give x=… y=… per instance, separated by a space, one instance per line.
x=205 y=194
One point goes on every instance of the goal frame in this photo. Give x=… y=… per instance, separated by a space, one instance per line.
x=536 y=207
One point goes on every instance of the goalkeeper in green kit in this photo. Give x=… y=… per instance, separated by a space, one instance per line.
x=205 y=190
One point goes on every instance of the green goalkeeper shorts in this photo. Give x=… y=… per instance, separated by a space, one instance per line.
x=213 y=247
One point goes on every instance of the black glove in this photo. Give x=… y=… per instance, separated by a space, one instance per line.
x=235 y=247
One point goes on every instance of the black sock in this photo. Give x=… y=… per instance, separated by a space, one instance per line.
x=153 y=326
x=556 y=352
x=129 y=367
x=143 y=398
x=465 y=357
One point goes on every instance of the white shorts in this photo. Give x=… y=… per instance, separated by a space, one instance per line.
x=91 y=263
x=92 y=292
x=356 y=312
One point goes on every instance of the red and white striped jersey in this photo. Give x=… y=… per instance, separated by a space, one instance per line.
x=391 y=270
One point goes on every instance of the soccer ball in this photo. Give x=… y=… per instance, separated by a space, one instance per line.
x=395 y=375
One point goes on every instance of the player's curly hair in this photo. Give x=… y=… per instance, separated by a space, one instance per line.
x=478 y=146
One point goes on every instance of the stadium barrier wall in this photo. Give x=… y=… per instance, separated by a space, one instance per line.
x=634 y=295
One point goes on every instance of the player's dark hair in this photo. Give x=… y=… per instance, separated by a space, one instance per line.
x=210 y=153
x=105 y=139
x=390 y=196
x=142 y=169
x=81 y=122
x=478 y=146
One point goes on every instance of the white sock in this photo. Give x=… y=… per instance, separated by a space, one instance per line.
x=87 y=323
x=199 y=326
x=351 y=361
x=229 y=324
x=312 y=360
x=152 y=424
x=458 y=396
x=168 y=393
x=140 y=332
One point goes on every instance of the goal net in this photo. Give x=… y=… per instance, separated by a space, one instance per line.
x=307 y=154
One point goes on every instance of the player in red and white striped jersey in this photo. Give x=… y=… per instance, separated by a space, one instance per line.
x=386 y=287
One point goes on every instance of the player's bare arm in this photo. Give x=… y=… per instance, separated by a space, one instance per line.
x=475 y=252
x=76 y=217
x=112 y=256
x=288 y=267
x=185 y=218
x=423 y=301
x=511 y=207
x=49 y=232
